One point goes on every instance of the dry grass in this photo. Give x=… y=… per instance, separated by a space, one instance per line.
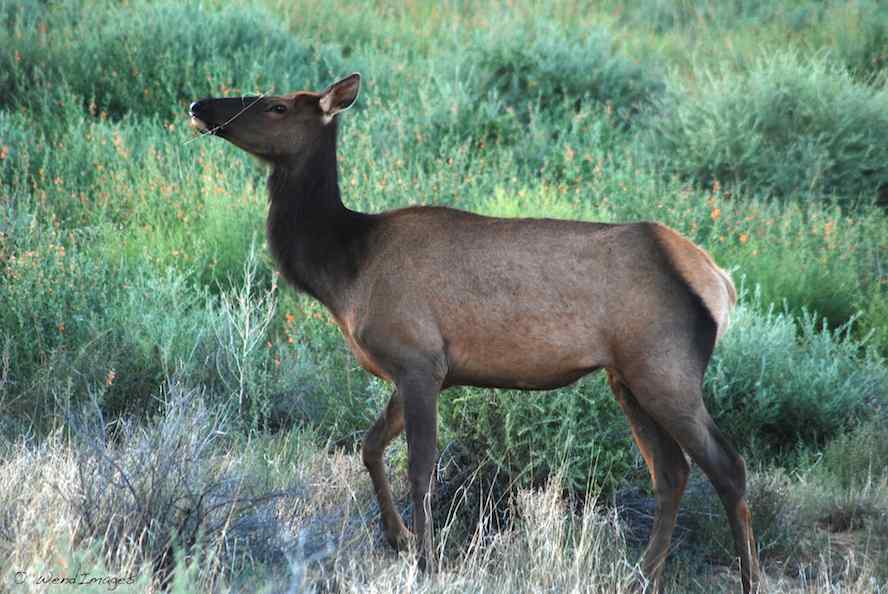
x=276 y=514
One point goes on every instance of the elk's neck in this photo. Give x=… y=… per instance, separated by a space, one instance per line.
x=319 y=244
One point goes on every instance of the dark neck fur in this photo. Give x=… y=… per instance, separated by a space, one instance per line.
x=319 y=244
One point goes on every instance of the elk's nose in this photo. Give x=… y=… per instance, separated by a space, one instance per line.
x=195 y=107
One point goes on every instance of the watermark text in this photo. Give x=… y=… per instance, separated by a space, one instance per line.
x=83 y=578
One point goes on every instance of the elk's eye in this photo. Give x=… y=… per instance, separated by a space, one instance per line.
x=279 y=109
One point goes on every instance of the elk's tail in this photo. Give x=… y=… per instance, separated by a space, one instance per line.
x=703 y=277
x=731 y=291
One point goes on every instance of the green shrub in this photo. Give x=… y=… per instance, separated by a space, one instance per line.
x=696 y=14
x=543 y=64
x=874 y=313
x=855 y=34
x=777 y=382
x=858 y=457
x=787 y=126
x=76 y=325
x=80 y=325
x=13 y=140
x=579 y=431
x=356 y=28
x=16 y=13
x=48 y=293
x=524 y=87
x=723 y=33
x=151 y=59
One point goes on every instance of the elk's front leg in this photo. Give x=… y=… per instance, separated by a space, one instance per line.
x=420 y=397
x=387 y=427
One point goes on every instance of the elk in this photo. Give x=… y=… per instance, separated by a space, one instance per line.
x=432 y=297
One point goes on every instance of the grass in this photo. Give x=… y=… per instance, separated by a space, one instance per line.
x=149 y=353
x=786 y=125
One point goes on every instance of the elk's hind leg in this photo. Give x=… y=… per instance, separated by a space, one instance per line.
x=727 y=471
x=677 y=406
x=389 y=425
x=669 y=473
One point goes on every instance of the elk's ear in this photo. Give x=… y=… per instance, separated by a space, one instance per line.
x=340 y=96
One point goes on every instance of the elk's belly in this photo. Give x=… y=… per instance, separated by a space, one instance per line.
x=492 y=379
x=541 y=365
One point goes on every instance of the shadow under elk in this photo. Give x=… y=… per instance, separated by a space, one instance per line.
x=432 y=297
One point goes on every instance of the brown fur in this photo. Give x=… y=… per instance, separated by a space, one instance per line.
x=430 y=297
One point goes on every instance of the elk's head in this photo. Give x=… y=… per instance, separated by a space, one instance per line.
x=276 y=128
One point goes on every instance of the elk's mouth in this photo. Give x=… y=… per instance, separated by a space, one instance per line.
x=200 y=125
x=199 y=120
x=206 y=127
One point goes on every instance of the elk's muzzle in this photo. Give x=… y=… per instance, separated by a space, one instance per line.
x=199 y=119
